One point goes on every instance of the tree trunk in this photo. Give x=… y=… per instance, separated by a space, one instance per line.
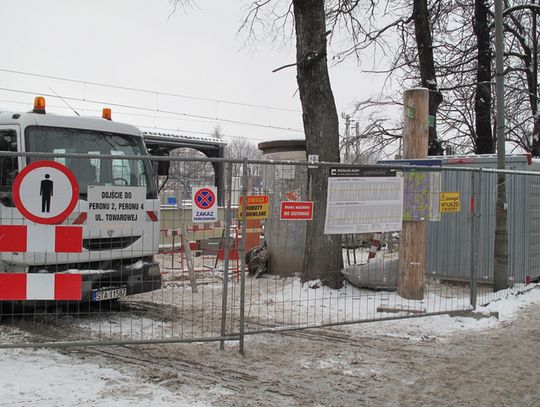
x=536 y=134
x=482 y=99
x=535 y=87
x=323 y=253
x=424 y=44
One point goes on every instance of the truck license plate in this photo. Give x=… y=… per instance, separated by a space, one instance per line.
x=109 y=294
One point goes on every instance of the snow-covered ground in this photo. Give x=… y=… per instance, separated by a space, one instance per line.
x=48 y=378
x=271 y=304
x=486 y=317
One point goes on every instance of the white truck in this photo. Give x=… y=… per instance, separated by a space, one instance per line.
x=113 y=262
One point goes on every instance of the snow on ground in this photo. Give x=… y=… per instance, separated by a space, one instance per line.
x=440 y=326
x=48 y=378
x=272 y=303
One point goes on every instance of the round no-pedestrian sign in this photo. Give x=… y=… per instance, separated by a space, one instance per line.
x=45 y=192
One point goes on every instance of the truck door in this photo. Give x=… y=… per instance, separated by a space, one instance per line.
x=9 y=166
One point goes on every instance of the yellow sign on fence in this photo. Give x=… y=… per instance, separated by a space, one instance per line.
x=257 y=207
x=450 y=202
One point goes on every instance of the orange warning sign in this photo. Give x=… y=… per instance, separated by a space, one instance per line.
x=256 y=208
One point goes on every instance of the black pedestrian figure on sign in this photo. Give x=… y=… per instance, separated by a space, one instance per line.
x=46 y=191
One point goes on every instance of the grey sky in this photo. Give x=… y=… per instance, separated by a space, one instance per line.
x=135 y=44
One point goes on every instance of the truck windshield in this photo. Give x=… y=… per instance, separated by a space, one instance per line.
x=94 y=171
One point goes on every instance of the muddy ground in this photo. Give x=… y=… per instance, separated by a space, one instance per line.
x=347 y=366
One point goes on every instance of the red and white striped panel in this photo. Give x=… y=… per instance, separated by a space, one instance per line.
x=40 y=239
x=194 y=228
x=173 y=232
x=37 y=286
x=206 y=226
x=152 y=215
x=375 y=243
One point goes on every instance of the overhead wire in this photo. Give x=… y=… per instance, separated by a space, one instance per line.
x=182 y=114
x=86 y=109
x=156 y=128
x=153 y=92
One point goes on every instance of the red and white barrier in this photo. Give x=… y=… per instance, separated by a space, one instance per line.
x=173 y=232
x=37 y=286
x=194 y=228
x=40 y=239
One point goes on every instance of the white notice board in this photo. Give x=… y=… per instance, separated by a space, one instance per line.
x=364 y=200
x=116 y=206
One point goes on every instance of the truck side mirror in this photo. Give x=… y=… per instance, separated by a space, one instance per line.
x=162 y=166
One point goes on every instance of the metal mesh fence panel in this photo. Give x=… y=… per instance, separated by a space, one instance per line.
x=285 y=299
x=147 y=271
x=188 y=258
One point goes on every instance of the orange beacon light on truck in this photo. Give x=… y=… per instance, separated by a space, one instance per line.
x=106 y=113
x=39 y=105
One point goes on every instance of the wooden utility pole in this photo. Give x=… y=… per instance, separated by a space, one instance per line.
x=412 y=238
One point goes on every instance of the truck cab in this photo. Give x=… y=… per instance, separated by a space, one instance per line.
x=115 y=261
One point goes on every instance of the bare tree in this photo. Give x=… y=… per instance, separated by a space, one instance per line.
x=323 y=255
x=482 y=98
x=184 y=175
x=443 y=45
x=377 y=26
x=522 y=61
x=377 y=135
x=461 y=51
x=240 y=148
x=424 y=44
x=323 y=258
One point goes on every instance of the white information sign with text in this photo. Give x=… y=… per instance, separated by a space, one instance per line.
x=363 y=200
x=116 y=206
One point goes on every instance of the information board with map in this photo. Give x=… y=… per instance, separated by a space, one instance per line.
x=421 y=193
